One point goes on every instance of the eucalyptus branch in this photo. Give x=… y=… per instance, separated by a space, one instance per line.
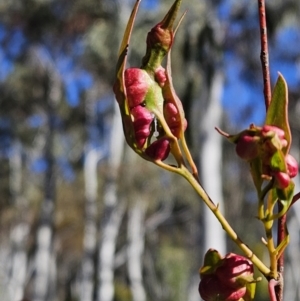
x=154 y=124
x=264 y=56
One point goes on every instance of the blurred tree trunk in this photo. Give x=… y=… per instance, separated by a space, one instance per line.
x=211 y=165
x=19 y=234
x=112 y=213
x=206 y=115
x=45 y=260
x=136 y=239
x=93 y=155
x=90 y=228
x=45 y=230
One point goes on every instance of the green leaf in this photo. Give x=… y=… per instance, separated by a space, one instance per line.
x=286 y=195
x=119 y=85
x=251 y=287
x=255 y=167
x=278 y=161
x=212 y=259
x=277 y=113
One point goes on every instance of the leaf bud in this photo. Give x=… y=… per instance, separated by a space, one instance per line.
x=159 y=149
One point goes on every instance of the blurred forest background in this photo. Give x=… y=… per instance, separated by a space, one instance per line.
x=81 y=216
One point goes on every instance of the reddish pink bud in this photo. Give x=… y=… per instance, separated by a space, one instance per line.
x=247 y=147
x=274 y=138
x=137 y=82
x=233 y=267
x=160 y=76
x=212 y=289
x=225 y=279
x=142 y=119
x=160 y=36
x=282 y=179
x=268 y=129
x=173 y=120
x=292 y=165
x=159 y=149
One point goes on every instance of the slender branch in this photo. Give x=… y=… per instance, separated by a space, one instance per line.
x=264 y=54
x=184 y=172
x=215 y=210
x=295 y=198
x=264 y=57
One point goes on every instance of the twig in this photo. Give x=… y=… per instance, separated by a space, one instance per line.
x=295 y=198
x=264 y=54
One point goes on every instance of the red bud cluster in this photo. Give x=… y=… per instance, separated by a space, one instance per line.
x=267 y=144
x=137 y=84
x=151 y=116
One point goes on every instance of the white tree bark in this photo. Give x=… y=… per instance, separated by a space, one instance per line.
x=211 y=165
x=43 y=262
x=113 y=213
x=211 y=175
x=45 y=257
x=136 y=238
x=90 y=232
x=20 y=231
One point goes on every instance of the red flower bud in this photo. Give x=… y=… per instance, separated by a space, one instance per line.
x=282 y=179
x=227 y=278
x=160 y=36
x=276 y=138
x=159 y=149
x=233 y=267
x=160 y=76
x=173 y=119
x=247 y=147
x=212 y=289
x=268 y=129
x=292 y=165
x=137 y=82
x=142 y=119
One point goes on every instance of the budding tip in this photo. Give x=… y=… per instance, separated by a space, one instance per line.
x=169 y=19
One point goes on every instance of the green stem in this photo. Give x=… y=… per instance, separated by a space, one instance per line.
x=264 y=216
x=271 y=248
x=227 y=228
